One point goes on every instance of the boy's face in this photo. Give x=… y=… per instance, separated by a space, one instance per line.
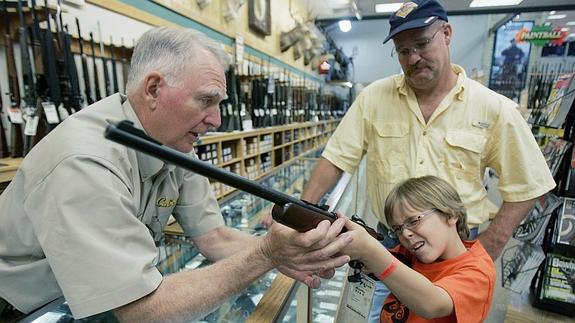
x=428 y=234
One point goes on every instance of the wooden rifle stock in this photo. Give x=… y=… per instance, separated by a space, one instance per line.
x=290 y=211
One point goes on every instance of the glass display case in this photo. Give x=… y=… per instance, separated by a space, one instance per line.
x=242 y=211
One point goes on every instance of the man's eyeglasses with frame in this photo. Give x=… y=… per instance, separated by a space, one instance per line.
x=417 y=48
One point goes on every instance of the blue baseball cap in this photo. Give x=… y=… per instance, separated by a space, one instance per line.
x=415 y=14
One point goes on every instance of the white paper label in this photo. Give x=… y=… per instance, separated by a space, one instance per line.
x=15 y=115
x=359 y=296
x=51 y=114
x=31 y=126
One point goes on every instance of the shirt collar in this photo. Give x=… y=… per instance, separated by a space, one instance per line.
x=401 y=84
x=149 y=166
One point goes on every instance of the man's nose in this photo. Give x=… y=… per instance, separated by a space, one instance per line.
x=413 y=57
x=214 y=118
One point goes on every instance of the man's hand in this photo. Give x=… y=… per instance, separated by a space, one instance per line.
x=303 y=256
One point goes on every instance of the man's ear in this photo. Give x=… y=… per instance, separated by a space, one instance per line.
x=153 y=83
x=448 y=32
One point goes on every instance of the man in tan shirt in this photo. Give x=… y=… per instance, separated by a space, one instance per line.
x=81 y=216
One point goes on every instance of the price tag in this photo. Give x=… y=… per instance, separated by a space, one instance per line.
x=63 y=112
x=51 y=113
x=15 y=115
x=230 y=111
x=31 y=126
x=274 y=111
x=360 y=295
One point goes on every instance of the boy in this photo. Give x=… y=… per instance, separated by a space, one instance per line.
x=440 y=276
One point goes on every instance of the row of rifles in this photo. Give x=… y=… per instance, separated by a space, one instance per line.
x=541 y=81
x=271 y=100
x=51 y=85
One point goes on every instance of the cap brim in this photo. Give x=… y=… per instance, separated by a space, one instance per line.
x=414 y=24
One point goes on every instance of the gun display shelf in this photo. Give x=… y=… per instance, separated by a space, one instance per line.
x=252 y=154
x=256 y=153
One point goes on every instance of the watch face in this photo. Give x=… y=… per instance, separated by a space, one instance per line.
x=259 y=16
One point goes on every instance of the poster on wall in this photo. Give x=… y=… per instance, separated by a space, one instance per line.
x=510 y=59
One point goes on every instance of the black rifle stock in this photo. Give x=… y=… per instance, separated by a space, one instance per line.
x=84 y=60
x=4 y=152
x=16 y=139
x=107 y=89
x=96 y=77
x=114 y=69
x=290 y=211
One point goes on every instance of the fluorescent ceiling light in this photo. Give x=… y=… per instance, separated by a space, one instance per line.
x=344 y=25
x=570 y=23
x=388 y=7
x=565 y=29
x=556 y=17
x=571 y=35
x=552 y=12
x=494 y=3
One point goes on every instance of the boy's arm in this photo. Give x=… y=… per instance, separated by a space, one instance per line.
x=413 y=289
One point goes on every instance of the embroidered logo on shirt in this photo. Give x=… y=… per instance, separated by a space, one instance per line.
x=166 y=202
x=405 y=9
x=481 y=124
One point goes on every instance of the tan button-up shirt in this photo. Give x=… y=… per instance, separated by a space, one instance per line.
x=471 y=129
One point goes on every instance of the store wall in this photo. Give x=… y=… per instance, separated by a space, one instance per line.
x=372 y=59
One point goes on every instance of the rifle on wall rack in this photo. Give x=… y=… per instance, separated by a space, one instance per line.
x=84 y=61
x=114 y=70
x=107 y=88
x=14 y=111
x=96 y=77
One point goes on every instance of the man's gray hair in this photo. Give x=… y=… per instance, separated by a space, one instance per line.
x=171 y=52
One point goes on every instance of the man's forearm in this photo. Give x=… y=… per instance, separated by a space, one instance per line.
x=324 y=176
x=502 y=227
x=223 y=242
x=190 y=295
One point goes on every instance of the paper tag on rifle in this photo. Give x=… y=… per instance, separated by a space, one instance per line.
x=360 y=295
x=31 y=126
x=15 y=115
x=230 y=111
x=51 y=113
x=63 y=112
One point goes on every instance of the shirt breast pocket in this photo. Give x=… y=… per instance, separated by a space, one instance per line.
x=465 y=152
x=390 y=149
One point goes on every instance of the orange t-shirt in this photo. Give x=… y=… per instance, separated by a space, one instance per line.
x=469 y=279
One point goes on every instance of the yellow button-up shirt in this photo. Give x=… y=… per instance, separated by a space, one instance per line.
x=471 y=129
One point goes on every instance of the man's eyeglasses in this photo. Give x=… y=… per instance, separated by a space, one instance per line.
x=411 y=223
x=417 y=48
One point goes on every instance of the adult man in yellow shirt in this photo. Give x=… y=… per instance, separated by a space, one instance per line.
x=433 y=120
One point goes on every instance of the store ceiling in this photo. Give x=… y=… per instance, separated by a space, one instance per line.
x=325 y=10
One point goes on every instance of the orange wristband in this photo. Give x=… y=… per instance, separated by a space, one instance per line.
x=389 y=270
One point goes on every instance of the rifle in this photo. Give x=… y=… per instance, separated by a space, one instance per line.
x=84 y=60
x=96 y=77
x=287 y=210
x=28 y=102
x=14 y=111
x=107 y=89
x=114 y=71
x=125 y=65
x=4 y=152
x=290 y=211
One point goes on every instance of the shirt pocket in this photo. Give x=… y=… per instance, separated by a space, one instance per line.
x=390 y=151
x=464 y=153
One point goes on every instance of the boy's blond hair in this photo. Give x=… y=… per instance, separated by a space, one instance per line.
x=425 y=193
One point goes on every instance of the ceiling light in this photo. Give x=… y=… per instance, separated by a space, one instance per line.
x=565 y=29
x=552 y=12
x=571 y=35
x=570 y=23
x=556 y=17
x=494 y=3
x=344 y=25
x=388 y=7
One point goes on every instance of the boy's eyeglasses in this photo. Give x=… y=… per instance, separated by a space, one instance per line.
x=411 y=223
x=417 y=48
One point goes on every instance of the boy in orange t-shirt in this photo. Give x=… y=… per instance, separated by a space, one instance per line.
x=440 y=276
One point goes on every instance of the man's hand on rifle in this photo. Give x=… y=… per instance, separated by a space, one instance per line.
x=309 y=255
